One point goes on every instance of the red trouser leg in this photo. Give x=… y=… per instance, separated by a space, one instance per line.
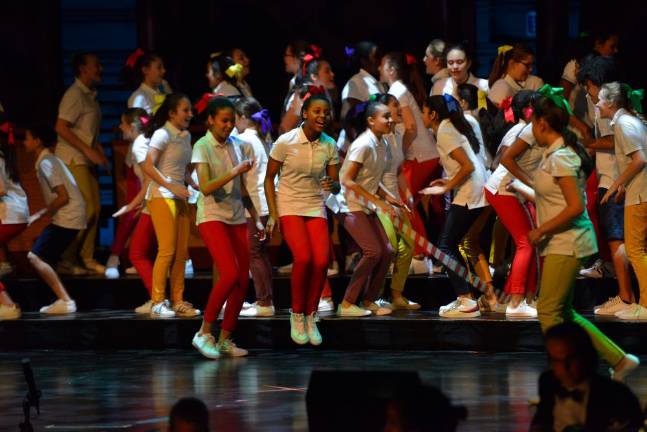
x=523 y=274
x=142 y=250
x=308 y=240
x=128 y=221
x=229 y=249
x=592 y=209
x=418 y=176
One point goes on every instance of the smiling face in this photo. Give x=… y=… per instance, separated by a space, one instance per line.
x=458 y=65
x=381 y=121
x=154 y=73
x=239 y=57
x=317 y=115
x=181 y=116
x=519 y=70
x=222 y=123
x=606 y=107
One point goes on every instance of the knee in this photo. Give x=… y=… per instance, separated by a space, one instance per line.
x=228 y=277
x=302 y=258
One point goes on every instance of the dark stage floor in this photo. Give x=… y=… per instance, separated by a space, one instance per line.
x=134 y=390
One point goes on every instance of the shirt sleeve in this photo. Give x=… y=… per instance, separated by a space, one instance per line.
x=449 y=139
x=198 y=155
x=159 y=140
x=70 y=107
x=499 y=91
x=279 y=150
x=137 y=101
x=358 y=153
x=569 y=72
x=353 y=91
x=140 y=149
x=333 y=156
x=527 y=136
x=564 y=163
x=629 y=137
x=52 y=173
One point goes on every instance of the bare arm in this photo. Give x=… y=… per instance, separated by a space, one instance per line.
x=63 y=129
x=574 y=207
x=209 y=185
x=466 y=169
x=604 y=143
x=567 y=86
x=636 y=165
x=150 y=169
x=62 y=198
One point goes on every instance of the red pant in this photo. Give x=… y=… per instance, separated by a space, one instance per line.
x=126 y=222
x=307 y=238
x=524 y=265
x=229 y=249
x=592 y=210
x=142 y=249
x=7 y=232
x=418 y=176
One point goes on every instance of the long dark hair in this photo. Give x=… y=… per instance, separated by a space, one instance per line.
x=498 y=126
x=518 y=53
x=407 y=71
x=448 y=108
x=219 y=63
x=8 y=153
x=161 y=116
x=132 y=76
x=361 y=54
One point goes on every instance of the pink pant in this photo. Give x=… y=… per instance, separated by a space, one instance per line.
x=8 y=232
x=128 y=221
x=307 y=238
x=142 y=250
x=523 y=274
x=229 y=249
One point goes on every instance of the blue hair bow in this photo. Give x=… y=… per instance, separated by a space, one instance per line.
x=451 y=103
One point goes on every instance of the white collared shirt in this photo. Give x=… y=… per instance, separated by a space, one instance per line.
x=227 y=89
x=569 y=412
x=630 y=136
x=448 y=85
x=14 y=208
x=441 y=74
x=138 y=151
x=578 y=237
x=529 y=159
x=469 y=193
x=175 y=154
x=225 y=204
x=506 y=86
x=303 y=165
x=606 y=166
x=495 y=183
x=52 y=172
x=361 y=86
x=253 y=148
x=145 y=98
x=395 y=157
x=80 y=108
x=423 y=147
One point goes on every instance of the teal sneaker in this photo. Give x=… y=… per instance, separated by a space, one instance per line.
x=297 y=328
x=312 y=330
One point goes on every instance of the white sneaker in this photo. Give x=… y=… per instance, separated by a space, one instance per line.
x=402 y=303
x=351 y=261
x=188 y=268
x=418 y=266
x=5 y=268
x=286 y=269
x=633 y=312
x=326 y=305
x=628 y=363
x=131 y=271
x=311 y=329
x=352 y=311
x=257 y=311
x=462 y=307
x=611 y=307
x=145 y=308
x=9 y=312
x=94 y=267
x=112 y=273
x=383 y=303
x=162 y=310
x=377 y=310
x=185 y=309
x=334 y=269
x=228 y=348
x=59 y=307
x=206 y=344
x=596 y=271
x=523 y=310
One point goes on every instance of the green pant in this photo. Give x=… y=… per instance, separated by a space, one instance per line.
x=403 y=247
x=555 y=304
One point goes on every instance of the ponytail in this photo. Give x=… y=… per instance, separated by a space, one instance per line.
x=505 y=53
x=161 y=116
x=407 y=71
x=448 y=108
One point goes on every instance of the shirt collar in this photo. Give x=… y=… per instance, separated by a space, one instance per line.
x=217 y=143
x=84 y=88
x=556 y=145
x=41 y=156
x=303 y=139
x=617 y=115
x=514 y=84
x=175 y=132
x=148 y=89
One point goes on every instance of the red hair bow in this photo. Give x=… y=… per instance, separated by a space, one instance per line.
x=132 y=59
x=506 y=106
x=316 y=53
x=143 y=120
x=7 y=128
x=201 y=105
x=411 y=60
x=314 y=90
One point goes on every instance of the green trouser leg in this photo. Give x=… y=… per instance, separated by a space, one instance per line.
x=403 y=248
x=555 y=304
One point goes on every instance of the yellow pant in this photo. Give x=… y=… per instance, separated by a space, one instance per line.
x=471 y=249
x=636 y=244
x=500 y=237
x=403 y=247
x=172 y=226
x=555 y=304
x=84 y=243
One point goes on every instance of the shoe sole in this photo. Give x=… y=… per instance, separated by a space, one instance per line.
x=519 y=315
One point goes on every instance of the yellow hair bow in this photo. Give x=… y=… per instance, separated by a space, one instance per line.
x=158 y=100
x=482 y=102
x=234 y=71
x=504 y=49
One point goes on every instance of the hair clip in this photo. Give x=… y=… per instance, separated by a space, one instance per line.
x=503 y=49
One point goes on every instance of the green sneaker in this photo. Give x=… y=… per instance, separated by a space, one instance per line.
x=297 y=328
x=312 y=330
x=227 y=348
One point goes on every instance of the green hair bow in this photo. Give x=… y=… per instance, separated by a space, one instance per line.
x=556 y=94
x=635 y=97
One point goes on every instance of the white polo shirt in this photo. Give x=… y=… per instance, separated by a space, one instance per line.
x=245 y=89
x=303 y=165
x=253 y=148
x=175 y=154
x=495 y=183
x=470 y=192
x=395 y=157
x=139 y=150
x=146 y=98
x=361 y=86
x=530 y=159
x=372 y=154
x=227 y=89
x=578 y=237
x=80 y=108
x=630 y=136
x=14 y=208
x=449 y=86
x=225 y=204
x=441 y=74
x=606 y=166
x=506 y=86
x=423 y=147
x=52 y=172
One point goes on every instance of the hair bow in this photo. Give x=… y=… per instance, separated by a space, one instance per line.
x=504 y=49
x=201 y=105
x=316 y=51
x=410 y=59
x=132 y=59
x=314 y=90
x=158 y=99
x=143 y=120
x=506 y=106
x=215 y=55
x=482 y=100
x=635 y=97
x=556 y=94
x=527 y=112
x=451 y=103
x=263 y=117
x=349 y=51
x=234 y=71
x=7 y=128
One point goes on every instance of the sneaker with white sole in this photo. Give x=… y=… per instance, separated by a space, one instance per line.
x=311 y=329
x=334 y=269
x=628 y=363
x=634 y=312
x=352 y=311
x=284 y=270
x=418 y=266
x=611 y=307
x=9 y=312
x=94 y=267
x=59 y=307
x=462 y=307
x=523 y=310
x=206 y=344
x=188 y=268
x=185 y=309
x=326 y=305
x=5 y=268
x=384 y=303
x=257 y=311
x=112 y=273
x=162 y=310
x=227 y=348
x=145 y=308
x=402 y=303
x=378 y=310
x=131 y=271
x=247 y=305
x=298 y=328
x=596 y=271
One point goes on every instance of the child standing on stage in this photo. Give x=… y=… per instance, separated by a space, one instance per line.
x=253 y=124
x=308 y=164
x=147 y=70
x=221 y=221
x=14 y=209
x=167 y=163
x=65 y=205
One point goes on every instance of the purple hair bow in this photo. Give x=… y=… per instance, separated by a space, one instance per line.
x=263 y=117
x=349 y=51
